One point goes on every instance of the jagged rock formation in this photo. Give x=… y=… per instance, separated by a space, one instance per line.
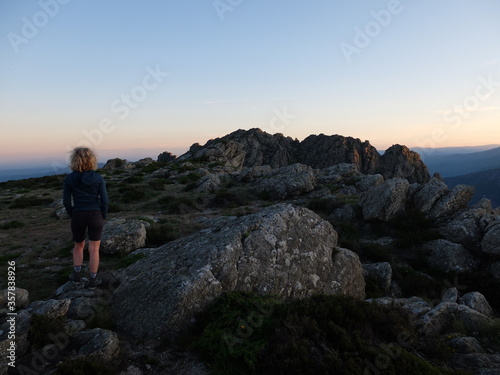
x=398 y=161
x=282 y=250
x=166 y=157
x=255 y=148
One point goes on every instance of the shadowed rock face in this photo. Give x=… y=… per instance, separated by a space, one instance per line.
x=282 y=250
x=250 y=148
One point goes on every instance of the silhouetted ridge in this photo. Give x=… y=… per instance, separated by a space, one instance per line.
x=254 y=147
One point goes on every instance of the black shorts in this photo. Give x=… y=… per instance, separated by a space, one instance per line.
x=91 y=219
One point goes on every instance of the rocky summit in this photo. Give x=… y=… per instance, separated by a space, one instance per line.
x=258 y=253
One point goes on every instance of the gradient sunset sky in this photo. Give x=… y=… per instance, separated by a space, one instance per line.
x=164 y=74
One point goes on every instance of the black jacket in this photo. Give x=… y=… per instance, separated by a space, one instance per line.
x=88 y=190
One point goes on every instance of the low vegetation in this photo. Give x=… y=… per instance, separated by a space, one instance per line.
x=242 y=333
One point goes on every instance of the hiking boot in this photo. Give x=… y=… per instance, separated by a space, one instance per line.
x=93 y=283
x=75 y=277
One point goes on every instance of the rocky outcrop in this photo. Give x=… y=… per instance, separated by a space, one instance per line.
x=478 y=302
x=121 y=236
x=321 y=151
x=436 y=320
x=288 y=182
x=468 y=226
x=381 y=273
x=428 y=194
x=166 y=157
x=398 y=161
x=115 y=163
x=453 y=201
x=385 y=201
x=282 y=250
x=448 y=256
x=491 y=240
x=251 y=148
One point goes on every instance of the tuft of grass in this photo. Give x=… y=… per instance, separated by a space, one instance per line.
x=131 y=194
x=24 y=202
x=160 y=233
x=6 y=257
x=413 y=283
x=87 y=365
x=413 y=228
x=12 y=224
x=129 y=260
x=189 y=178
x=229 y=199
x=41 y=327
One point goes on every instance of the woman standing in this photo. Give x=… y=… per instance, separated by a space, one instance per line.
x=87 y=209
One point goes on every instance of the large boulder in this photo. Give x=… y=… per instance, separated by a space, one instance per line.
x=453 y=201
x=290 y=181
x=400 y=162
x=478 y=302
x=381 y=273
x=448 y=256
x=282 y=250
x=491 y=240
x=385 y=201
x=166 y=157
x=468 y=226
x=428 y=194
x=121 y=236
x=98 y=343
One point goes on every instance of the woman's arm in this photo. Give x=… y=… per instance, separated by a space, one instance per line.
x=67 y=198
x=103 y=199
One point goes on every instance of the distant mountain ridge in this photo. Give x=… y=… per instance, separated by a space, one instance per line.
x=462 y=164
x=486 y=184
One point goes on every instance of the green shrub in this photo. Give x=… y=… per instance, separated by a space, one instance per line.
x=41 y=329
x=375 y=252
x=129 y=260
x=87 y=365
x=230 y=199
x=135 y=179
x=349 y=235
x=6 y=257
x=157 y=184
x=158 y=234
x=179 y=204
x=242 y=333
x=189 y=178
x=132 y=194
x=413 y=228
x=12 y=224
x=413 y=283
x=24 y=202
x=324 y=205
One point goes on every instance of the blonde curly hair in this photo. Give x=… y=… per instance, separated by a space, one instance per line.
x=83 y=159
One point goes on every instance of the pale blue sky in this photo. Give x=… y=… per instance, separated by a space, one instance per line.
x=162 y=75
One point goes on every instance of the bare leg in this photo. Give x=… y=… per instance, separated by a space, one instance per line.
x=94 y=256
x=78 y=253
